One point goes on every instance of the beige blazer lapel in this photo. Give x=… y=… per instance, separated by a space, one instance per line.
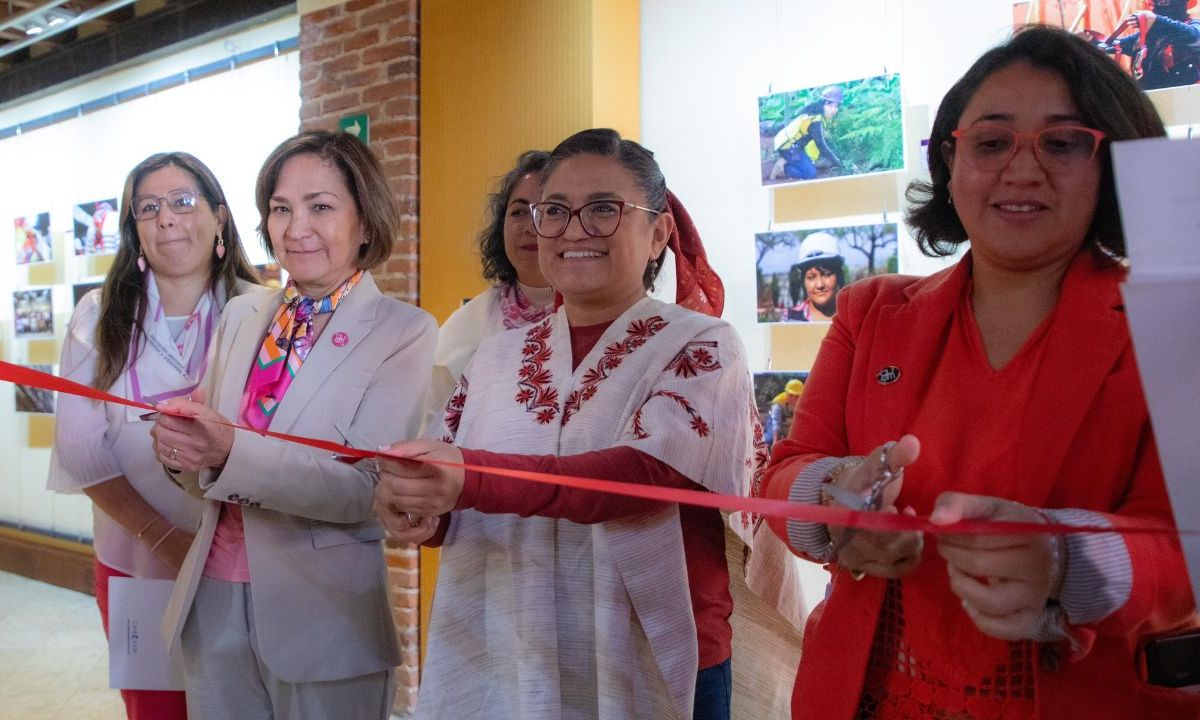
x=243 y=348
x=355 y=317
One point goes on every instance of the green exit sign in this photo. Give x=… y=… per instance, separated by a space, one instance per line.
x=357 y=126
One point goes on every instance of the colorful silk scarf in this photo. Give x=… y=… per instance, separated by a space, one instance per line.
x=285 y=348
x=521 y=305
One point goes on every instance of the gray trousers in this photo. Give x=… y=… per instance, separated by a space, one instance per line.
x=226 y=680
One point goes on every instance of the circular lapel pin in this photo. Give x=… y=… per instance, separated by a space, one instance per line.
x=340 y=339
x=888 y=375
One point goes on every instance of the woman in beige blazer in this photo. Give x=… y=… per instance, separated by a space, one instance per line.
x=281 y=607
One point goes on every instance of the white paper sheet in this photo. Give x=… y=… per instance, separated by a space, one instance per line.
x=1158 y=185
x=137 y=651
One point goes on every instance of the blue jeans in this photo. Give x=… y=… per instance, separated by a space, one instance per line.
x=714 y=689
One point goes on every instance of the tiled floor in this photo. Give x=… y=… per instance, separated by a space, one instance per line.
x=53 y=658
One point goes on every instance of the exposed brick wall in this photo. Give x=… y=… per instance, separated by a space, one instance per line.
x=361 y=57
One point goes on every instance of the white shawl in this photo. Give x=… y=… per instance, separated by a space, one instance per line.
x=541 y=618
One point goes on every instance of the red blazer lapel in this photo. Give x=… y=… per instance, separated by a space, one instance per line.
x=904 y=350
x=1085 y=342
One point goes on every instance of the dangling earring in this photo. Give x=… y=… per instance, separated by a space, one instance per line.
x=141 y=261
x=950 y=200
x=220 y=246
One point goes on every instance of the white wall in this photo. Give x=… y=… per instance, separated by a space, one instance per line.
x=706 y=62
x=230 y=121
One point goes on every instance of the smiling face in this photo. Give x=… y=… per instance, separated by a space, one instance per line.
x=520 y=241
x=820 y=284
x=177 y=245
x=1021 y=217
x=314 y=225
x=603 y=275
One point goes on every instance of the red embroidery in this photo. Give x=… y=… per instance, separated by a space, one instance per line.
x=694 y=359
x=454 y=407
x=537 y=393
x=758 y=460
x=636 y=335
x=697 y=423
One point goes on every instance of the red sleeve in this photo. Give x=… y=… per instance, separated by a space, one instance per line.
x=495 y=494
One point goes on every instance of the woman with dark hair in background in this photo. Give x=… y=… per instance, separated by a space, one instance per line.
x=519 y=294
x=553 y=602
x=281 y=607
x=145 y=336
x=1029 y=325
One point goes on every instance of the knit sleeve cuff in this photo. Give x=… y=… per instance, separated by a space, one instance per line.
x=811 y=539
x=1098 y=578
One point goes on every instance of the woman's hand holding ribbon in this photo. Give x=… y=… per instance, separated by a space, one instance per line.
x=184 y=441
x=1004 y=581
x=412 y=493
x=881 y=554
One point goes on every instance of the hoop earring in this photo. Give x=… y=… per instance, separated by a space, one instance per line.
x=220 y=246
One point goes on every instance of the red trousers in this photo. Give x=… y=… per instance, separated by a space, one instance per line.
x=139 y=704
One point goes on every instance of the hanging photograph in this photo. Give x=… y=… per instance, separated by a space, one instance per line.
x=801 y=271
x=33 y=312
x=1156 y=41
x=33 y=238
x=776 y=395
x=831 y=131
x=35 y=400
x=97 y=227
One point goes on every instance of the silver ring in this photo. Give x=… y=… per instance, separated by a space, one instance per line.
x=174 y=454
x=883 y=457
x=411 y=522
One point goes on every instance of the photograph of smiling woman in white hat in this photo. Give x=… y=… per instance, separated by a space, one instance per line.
x=801 y=271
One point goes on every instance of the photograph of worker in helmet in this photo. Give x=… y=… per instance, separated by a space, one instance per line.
x=838 y=130
x=801 y=271
x=775 y=396
x=1155 y=41
x=96 y=227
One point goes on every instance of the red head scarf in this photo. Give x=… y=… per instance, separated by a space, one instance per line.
x=697 y=285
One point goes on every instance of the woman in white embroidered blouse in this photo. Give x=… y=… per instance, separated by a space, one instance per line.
x=145 y=336
x=519 y=295
x=557 y=603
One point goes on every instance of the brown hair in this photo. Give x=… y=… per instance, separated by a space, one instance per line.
x=496 y=266
x=373 y=198
x=1107 y=98
x=123 y=299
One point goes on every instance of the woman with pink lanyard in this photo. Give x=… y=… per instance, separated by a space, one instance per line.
x=145 y=336
x=281 y=607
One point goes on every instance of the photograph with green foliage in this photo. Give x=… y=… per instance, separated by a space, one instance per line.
x=799 y=272
x=831 y=131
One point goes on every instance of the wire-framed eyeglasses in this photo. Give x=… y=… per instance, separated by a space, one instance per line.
x=599 y=218
x=181 y=202
x=1061 y=148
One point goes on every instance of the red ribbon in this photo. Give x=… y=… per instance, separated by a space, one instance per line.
x=878 y=521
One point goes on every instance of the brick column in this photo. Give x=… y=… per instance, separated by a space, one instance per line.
x=361 y=57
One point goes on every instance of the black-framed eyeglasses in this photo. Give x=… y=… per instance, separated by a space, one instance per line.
x=599 y=218
x=181 y=202
x=1062 y=148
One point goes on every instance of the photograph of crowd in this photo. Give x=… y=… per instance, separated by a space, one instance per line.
x=32 y=238
x=33 y=312
x=799 y=272
x=831 y=131
x=35 y=400
x=97 y=225
x=1156 y=41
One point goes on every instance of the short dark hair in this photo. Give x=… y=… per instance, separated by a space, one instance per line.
x=496 y=266
x=834 y=265
x=1107 y=99
x=373 y=197
x=123 y=299
x=640 y=162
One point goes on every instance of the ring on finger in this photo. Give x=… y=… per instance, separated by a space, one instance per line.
x=174 y=454
x=411 y=522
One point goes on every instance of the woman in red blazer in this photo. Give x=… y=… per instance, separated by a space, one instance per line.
x=1002 y=388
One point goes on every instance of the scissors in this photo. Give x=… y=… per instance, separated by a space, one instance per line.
x=873 y=500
